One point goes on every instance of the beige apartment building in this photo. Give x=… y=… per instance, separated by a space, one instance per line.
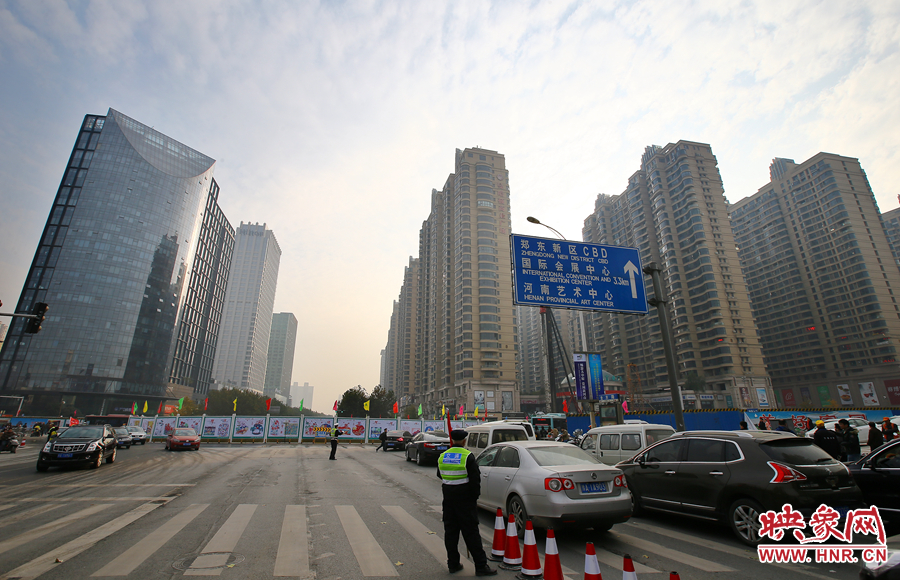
x=821 y=273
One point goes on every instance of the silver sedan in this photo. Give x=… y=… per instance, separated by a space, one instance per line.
x=553 y=484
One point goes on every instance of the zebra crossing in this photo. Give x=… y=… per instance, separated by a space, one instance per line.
x=368 y=553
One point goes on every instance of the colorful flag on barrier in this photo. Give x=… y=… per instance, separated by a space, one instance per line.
x=301 y=404
x=420 y=409
x=476 y=411
x=134 y=408
x=366 y=405
x=180 y=403
x=443 y=410
x=145 y=407
x=206 y=403
x=160 y=410
x=235 y=405
x=565 y=406
x=268 y=404
x=335 y=406
x=461 y=411
x=396 y=408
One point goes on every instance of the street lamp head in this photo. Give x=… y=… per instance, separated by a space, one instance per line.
x=533 y=220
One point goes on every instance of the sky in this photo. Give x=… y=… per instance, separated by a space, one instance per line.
x=331 y=122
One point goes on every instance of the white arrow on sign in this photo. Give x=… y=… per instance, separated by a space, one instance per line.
x=631 y=270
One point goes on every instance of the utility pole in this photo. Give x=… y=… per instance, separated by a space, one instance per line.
x=662 y=312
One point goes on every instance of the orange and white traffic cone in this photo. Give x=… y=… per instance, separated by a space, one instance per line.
x=531 y=561
x=512 y=557
x=499 y=546
x=552 y=565
x=591 y=566
x=674 y=576
x=628 y=572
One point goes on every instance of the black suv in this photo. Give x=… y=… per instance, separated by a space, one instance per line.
x=84 y=444
x=733 y=476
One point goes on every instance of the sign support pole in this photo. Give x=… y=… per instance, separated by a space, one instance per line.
x=659 y=301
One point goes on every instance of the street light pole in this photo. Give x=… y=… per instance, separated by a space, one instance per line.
x=653 y=269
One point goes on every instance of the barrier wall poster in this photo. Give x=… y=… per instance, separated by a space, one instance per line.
x=147 y=424
x=457 y=425
x=376 y=426
x=284 y=427
x=317 y=427
x=825 y=397
x=249 y=428
x=762 y=397
x=845 y=396
x=435 y=426
x=216 y=428
x=195 y=423
x=163 y=426
x=412 y=425
x=867 y=391
x=352 y=428
x=134 y=421
x=892 y=386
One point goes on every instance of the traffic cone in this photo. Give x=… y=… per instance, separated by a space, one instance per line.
x=591 y=566
x=512 y=557
x=531 y=561
x=628 y=572
x=552 y=565
x=498 y=548
x=674 y=576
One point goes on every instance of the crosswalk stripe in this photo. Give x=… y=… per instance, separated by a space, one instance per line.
x=292 y=558
x=30 y=513
x=134 y=556
x=6 y=506
x=430 y=541
x=41 y=531
x=48 y=561
x=215 y=554
x=675 y=555
x=371 y=558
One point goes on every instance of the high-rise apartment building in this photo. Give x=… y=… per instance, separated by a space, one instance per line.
x=531 y=360
x=280 y=362
x=401 y=362
x=891 y=221
x=132 y=262
x=247 y=317
x=674 y=211
x=821 y=277
x=464 y=321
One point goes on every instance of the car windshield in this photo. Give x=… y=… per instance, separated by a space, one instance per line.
x=82 y=433
x=184 y=433
x=796 y=451
x=135 y=430
x=569 y=455
x=121 y=431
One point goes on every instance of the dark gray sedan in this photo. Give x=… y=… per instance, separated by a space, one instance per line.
x=427 y=446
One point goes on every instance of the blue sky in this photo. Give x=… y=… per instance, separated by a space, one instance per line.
x=331 y=122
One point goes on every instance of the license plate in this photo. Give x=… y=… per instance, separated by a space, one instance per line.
x=442 y=448
x=186 y=444
x=599 y=487
x=64 y=455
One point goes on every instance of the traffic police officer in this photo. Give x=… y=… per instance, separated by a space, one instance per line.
x=335 y=433
x=461 y=487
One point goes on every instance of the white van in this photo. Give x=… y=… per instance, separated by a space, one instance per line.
x=614 y=443
x=480 y=436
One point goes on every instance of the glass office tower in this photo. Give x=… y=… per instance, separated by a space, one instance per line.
x=119 y=245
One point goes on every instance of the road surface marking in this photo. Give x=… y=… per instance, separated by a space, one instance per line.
x=80 y=485
x=488 y=536
x=6 y=506
x=30 y=513
x=127 y=498
x=371 y=558
x=134 y=556
x=53 y=526
x=214 y=557
x=292 y=558
x=653 y=547
x=48 y=561
x=431 y=541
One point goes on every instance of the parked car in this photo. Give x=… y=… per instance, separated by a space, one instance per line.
x=878 y=476
x=554 y=484
x=88 y=444
x=182 y=438
x=123 y=437
x=860 y=425
x=733 y=476
x=397 y=440
x=614 y=443
x=481 y=436
x=138 y=435
x=427 y=446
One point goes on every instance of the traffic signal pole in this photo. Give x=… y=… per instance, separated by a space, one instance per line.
x=659 y=301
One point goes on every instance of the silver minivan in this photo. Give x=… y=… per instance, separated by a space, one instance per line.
x=486 y=434
x=614 y=443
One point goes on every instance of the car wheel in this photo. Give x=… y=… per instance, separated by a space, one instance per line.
x=419 y=460
x=13 y=450
x=408 y=458
x=636 y=507
x=112 y=458
x=516 y=507
x=128 y=447
x=98 y=461
x=743 y=517
x=41 y=466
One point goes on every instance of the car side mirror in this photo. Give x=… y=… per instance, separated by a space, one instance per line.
x=641 y=460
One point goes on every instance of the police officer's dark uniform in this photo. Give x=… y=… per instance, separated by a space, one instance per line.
x=461 y=487
x=335 y=433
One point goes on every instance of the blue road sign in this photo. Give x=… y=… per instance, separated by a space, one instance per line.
x=588 y=376
x=578 y=275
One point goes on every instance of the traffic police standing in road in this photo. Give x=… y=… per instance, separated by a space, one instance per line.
x=335 y=433
x=461 y=487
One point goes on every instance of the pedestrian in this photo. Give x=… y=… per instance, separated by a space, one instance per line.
x=876 y=439
x=762 y=426
x=383 y=439
x=335 y=433
x=889 y=430
x=849 y=441
x=554 y=433
x=744 y=426
x=461 y=487
x=782 y=426
x=828 y=440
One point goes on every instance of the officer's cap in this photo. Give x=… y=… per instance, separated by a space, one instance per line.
x=458 y=434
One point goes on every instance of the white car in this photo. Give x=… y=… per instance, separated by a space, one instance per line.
x=860 y=425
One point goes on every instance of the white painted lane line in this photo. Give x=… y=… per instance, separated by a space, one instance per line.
x=80 y=485
x=6 y=506
x=653 y=547
x=30 y=513
x=41 y=531
x=134 y=556
x=371 y=558
x=91 y=498
x=214 y=556
x=47 y=562
x=292 y=558
x=433 y=543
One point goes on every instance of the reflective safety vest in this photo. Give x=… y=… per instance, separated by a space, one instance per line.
x=334 y=433
x=452 y=464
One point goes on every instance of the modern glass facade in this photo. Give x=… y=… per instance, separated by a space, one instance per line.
x=116 y=252
x=280 y=365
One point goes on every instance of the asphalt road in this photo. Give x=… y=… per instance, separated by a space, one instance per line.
x=254 y=511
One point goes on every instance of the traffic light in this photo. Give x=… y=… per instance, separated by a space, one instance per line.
x=34 y=324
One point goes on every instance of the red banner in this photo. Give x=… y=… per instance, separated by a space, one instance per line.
x=788 y=396
x=893 y=390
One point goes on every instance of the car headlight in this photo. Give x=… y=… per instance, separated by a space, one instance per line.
x=48 y=446
x=92 y=446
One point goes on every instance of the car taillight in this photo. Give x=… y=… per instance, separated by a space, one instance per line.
x=558 y=483
x=619 y=481
x=399 y=438
x=785 y=474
